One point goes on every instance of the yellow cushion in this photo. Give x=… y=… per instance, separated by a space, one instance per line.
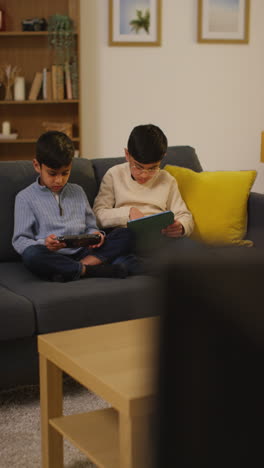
x=218 y=203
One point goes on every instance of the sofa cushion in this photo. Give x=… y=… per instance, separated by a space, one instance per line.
x=83 y=174
x=17 y=318
x=101 y=166
x=82 y=303
x=183 y=156
x=15 y=176
x=218 y=203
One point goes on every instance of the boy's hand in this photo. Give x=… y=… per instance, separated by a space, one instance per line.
x=174 y=230
x=99 y=243
x=52 y=243
x=135 y=213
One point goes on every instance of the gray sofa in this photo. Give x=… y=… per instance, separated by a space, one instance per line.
x=30 y=306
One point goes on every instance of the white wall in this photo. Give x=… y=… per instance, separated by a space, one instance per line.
x=209 y=96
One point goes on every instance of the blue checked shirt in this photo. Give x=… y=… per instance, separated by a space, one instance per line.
x=38 y=214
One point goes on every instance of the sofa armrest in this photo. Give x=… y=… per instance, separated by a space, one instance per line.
x=256 y=219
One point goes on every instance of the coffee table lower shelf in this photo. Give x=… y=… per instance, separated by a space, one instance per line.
x=94 y=433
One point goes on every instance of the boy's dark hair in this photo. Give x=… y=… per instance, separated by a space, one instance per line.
x=54 y=149
x=147 y=144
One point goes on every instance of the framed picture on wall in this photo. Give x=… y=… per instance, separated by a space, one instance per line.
x=134 y=22
x=223 y=21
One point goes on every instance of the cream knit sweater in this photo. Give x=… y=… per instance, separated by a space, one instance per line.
x=119 y=192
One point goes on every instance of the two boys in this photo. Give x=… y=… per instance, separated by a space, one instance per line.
x=52 y=207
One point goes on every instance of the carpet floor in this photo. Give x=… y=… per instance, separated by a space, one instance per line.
x=20 y=438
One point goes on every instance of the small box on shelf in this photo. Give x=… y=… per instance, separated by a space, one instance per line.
x=65 y=127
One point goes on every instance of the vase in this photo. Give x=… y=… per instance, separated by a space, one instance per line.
x=19 y=88
x=8 y=93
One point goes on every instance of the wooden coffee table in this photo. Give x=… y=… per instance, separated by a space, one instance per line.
x=117 y=362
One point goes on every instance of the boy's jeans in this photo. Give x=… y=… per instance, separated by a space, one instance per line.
x=54 y=266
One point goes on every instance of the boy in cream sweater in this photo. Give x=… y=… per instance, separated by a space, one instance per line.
x=139 y=187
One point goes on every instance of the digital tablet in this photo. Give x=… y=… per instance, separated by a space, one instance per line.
x=82 y=240
x=152 y=224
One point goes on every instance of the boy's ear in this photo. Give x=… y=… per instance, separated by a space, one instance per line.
x=36 y=165
x=126 y=154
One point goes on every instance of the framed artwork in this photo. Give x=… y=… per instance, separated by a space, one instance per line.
x=223 y=21
x=134 y=22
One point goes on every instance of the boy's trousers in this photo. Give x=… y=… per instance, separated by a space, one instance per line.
x=54 y=266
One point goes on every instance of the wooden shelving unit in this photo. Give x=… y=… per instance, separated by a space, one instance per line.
x=31 y=52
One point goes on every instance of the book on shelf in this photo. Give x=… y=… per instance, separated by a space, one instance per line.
x=44 y=83
x=74 y=77
x=60 y=82
x=68 y=82
x=57 y=72
x=49 y=85
x=54 y=81
x=35 y=86
x=46 y=87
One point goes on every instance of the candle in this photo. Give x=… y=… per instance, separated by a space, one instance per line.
x=6 y=128
x=19 y=88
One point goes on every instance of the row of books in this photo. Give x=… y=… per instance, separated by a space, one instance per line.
x=53 y=83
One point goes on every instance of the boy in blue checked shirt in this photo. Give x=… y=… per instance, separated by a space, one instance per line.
x=52 y=207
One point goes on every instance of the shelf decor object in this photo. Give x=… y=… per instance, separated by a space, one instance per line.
x=8 y=74
x=6 y=132
x=34 y=24
x=19 y=88
x=131 y=25
x=9 y=136
x=6 y=128
x=223 y=21
x=2 y=19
